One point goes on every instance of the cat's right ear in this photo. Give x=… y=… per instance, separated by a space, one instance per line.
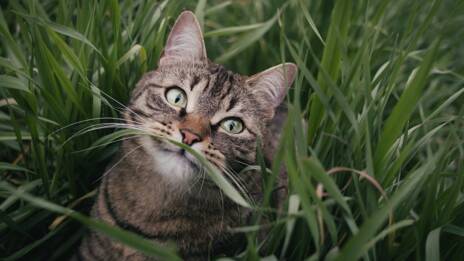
x=271 y=86
x=185 y=41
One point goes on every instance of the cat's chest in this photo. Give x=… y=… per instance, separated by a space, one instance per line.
x=161 y=215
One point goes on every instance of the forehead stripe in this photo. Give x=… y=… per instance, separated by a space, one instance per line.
x=232 y=103
x=207 y=84
x=195 y=81
x=153 y=85
x=224 y=94
x=139 y=112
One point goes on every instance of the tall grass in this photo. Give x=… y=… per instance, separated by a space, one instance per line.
x=373 y=146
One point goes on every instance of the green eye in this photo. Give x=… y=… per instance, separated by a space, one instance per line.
x=233 y=126
x=176 y=97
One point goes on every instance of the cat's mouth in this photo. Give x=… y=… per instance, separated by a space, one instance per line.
x=183 y=156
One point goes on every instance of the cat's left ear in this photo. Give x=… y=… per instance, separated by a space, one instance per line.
x=185 y=41
x=271 y=85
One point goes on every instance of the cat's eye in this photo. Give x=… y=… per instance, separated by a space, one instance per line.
x=232 y=125
x=176 y=97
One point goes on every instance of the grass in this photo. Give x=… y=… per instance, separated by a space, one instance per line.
x=376 y=174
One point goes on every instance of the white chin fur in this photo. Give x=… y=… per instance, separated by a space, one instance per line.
x=177 y=169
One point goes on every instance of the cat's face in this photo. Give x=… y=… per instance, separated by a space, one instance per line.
x=216 y=112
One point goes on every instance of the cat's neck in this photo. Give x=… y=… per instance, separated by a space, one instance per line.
x=137 y=177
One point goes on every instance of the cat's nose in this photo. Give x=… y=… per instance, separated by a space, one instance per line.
x=189 y=137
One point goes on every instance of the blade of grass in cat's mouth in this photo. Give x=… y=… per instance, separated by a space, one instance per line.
x=182 y=156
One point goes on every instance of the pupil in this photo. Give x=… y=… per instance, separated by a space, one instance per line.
x=177 y=99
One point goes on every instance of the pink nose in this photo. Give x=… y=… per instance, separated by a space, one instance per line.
x=189 y=137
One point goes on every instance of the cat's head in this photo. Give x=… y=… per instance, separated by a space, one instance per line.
x=216 y=112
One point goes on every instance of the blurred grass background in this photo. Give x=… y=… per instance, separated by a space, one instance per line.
x=376 y=174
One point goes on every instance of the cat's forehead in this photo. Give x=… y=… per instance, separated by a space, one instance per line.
x=195 y=71
x=182 y=70
x=210 y=85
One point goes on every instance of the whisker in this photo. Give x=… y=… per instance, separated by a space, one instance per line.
x=222 y=204
x=241 y=162
x=236 y=174
x=84 y=121
x=105 y=144
x=232 y=172
x=109 y=125
x=197 y=179
x=118 y=162
x=122 y=106
x=203 y=178
x=241 y=181
x=238 y=183
x=103 y=126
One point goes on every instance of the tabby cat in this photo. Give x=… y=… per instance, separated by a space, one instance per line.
x=161 y=192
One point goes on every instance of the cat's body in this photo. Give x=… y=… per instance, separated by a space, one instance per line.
x=158 y=190
x=151 y=207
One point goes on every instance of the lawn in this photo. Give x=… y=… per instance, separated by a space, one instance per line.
x=373 y=145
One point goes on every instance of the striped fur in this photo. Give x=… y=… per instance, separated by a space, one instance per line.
x=154 y=188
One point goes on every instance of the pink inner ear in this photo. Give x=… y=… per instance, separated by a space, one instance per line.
x=274 y=82
x=185 y=40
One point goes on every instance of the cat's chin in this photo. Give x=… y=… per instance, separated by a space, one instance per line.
x=175 y=165
x=171 y=162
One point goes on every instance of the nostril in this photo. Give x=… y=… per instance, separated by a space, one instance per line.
x=189 y=137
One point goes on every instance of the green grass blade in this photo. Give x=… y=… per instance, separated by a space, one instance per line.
x=9 y=166
x=246 y=40
x=432 y=245
x=330 y=62
x=9 y=42
x=233 y=30
x=218 y=177
x=128 y=238
x=403 y=109
x=11 y=82
x=318 y=172
x=458 y=231
x=310 y=21
x=200 y=12
x=356 y=246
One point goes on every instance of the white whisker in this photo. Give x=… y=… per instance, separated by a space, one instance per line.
x=234 y=178
x=105 y=144
x=119 y=161
x=84 y=121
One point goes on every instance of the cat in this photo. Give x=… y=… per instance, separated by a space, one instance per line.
x=157 y=189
